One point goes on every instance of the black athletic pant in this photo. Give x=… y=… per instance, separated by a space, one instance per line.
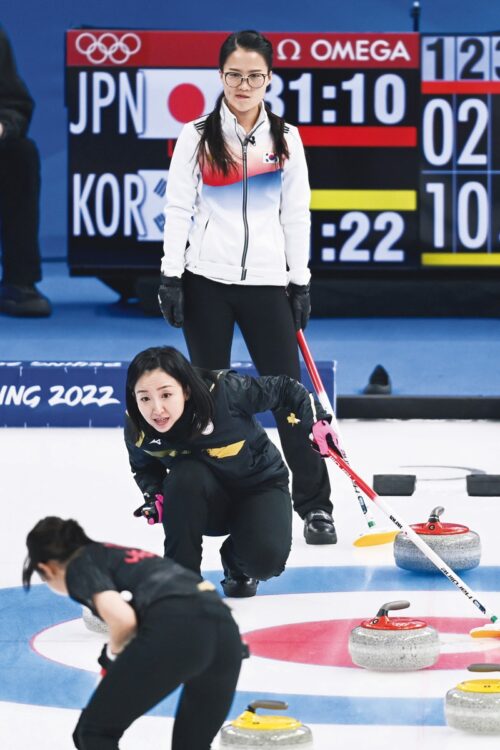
x=259 y=521
x=264 y=316
x=19 y=210
x=192 y=641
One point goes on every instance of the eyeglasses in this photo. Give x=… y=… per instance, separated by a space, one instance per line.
x=254 y=80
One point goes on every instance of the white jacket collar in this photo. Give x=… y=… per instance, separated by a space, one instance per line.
x=231 y=125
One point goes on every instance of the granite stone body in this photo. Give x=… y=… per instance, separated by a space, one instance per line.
x=284 y=739
x=478 y=713
x=459 y=551
x=93 y=623
x=394 y=651
x=266 y=731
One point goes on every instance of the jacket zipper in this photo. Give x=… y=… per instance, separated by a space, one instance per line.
x=244 y=148
x=244 y=207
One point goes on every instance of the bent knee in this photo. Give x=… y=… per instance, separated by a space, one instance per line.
x=267 y=563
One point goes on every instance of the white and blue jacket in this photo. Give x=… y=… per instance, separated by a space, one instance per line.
x=251 y=227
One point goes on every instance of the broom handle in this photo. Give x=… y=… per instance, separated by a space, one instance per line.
x=325 y=403
x=411 y=534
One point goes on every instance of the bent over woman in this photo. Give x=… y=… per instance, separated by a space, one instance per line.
x=207 y=467
x=166 y=629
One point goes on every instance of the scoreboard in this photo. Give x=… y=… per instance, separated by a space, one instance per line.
x=399 y=131
x=460 y=151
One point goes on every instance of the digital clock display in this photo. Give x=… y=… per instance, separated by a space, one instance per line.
x=398 y=129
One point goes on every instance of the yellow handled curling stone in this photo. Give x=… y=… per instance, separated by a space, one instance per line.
x=474 y=705
x=251 y=729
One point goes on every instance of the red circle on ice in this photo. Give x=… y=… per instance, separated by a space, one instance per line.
x=325 y=642
x=186 y=102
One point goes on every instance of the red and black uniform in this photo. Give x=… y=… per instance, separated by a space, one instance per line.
x=185 y=636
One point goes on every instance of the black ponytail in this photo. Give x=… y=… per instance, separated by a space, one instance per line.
x=52 y=539
x=212 y=147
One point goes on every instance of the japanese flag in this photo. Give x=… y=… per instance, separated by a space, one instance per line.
x=174 y=97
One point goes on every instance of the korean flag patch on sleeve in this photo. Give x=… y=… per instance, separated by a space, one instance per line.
x=270 y=158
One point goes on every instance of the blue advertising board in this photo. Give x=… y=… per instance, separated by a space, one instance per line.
x=88 y=394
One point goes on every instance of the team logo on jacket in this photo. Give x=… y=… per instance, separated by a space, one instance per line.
x=270 y=158
x=208 y=429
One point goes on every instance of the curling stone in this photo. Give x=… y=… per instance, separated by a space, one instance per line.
x=251 y=729
x=394 y=644
x=93 y=623
x=474 y=705
x=457 y=545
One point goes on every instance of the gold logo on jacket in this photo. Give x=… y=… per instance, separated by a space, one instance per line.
x=226 y=451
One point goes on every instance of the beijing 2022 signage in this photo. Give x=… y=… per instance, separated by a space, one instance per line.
x=399 y=132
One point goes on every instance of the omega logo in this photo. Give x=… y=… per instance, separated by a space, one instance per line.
x=289 y=49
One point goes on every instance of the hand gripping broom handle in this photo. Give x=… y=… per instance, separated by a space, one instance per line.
x=415 y=538
x=325 y=403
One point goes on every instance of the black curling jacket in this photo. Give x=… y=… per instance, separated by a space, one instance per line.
x=236 y=446
x=145 y=577
x=16 y=104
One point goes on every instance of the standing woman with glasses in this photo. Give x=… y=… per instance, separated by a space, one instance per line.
x=236 y=248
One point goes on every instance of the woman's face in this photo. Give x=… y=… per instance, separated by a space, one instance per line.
x=160 y=399
x=243 y=99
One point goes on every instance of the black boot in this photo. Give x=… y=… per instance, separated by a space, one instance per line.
x=239 y=587
x=23 y=301
x=235 y=583
x=319 y=528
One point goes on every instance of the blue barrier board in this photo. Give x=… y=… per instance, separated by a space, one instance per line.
x=89 y=394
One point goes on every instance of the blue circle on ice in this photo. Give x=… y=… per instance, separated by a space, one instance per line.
x=28 y=677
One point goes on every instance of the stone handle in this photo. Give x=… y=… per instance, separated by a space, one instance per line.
x=273 y=705
x=435 y=513
x=398 y=604
x=484 y=667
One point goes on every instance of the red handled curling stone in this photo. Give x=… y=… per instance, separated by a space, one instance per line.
x=474 y=705
x=394 y=644
x=252 y=730
x=457 y=545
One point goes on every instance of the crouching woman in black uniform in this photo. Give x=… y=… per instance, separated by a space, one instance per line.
x=166 y=629
x=207 y=467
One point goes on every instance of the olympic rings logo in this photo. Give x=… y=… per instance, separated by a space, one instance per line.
x=108 y=46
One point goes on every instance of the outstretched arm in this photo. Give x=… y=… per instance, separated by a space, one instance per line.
x=254 y=395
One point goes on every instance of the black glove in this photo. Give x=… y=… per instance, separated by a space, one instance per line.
x=171 y=300
x=151 y=509
x=300 y=301
x=105 y=661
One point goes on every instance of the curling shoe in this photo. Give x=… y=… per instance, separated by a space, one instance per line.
x=239 y=587
x=319 y=528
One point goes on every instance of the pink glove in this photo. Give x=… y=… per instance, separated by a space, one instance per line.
x=152 y=509
x=324 y=437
